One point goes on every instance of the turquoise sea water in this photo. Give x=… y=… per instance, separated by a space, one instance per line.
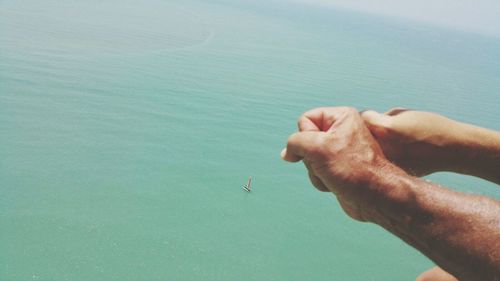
x=127 y=129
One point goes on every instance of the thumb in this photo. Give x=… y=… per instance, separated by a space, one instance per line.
x=299 y=144
x=376 y=122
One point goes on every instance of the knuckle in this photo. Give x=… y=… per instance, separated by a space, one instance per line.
x=317 y=183
x=349 y=110
x=318 y=147
x=301 y=119
x=293 y=137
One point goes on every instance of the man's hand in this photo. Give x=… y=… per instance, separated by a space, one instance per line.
x=341 y=156
x=419 y=142
x=460 y=232
x=423 y=143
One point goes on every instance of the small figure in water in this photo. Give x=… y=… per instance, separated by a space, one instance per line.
x=248 y=187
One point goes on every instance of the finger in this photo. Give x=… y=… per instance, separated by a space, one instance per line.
x=300 y=143
x=289 y=157
x=396 y=110
x=376 y=122
x=318 y=119
x=370 y=116
x=323 y=118
x=311 y=120
x=316 y=182
x=306 y=124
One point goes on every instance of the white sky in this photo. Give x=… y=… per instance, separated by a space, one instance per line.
x=481 y=16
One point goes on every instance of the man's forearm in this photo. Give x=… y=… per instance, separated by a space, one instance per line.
x=460 y=232
x=477 y=152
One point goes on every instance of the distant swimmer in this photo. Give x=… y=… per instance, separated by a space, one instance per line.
x=248 y=187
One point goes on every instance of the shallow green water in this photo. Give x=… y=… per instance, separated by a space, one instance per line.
x=127 y=129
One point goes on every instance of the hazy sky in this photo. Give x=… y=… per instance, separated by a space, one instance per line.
x=481 y=16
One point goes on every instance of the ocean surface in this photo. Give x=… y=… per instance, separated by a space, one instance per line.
x=127 y=129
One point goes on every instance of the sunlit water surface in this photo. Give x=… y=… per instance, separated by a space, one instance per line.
x=127 y=129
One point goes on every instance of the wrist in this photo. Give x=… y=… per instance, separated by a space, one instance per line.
x=476 y=152
x=390 y=192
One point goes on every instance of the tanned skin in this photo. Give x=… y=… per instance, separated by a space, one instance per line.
x=424 y=142
x=373 y=174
